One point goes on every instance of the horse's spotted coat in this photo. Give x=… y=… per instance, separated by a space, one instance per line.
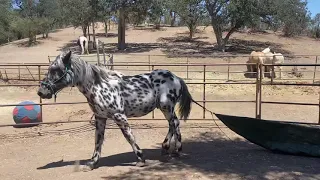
x=112 y=95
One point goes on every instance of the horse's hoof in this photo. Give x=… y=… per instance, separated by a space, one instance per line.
x=89 y=166
x=164 y=152
x=141 y=164
x=175 y=154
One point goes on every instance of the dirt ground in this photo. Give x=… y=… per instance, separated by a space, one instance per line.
x=50 y=151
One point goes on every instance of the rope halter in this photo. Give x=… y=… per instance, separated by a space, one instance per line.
x=51 y=84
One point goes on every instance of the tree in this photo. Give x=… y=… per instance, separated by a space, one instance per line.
x=315 y=26
x=191 y=12
x=293 y=15
x=5 y=19
x=77 y=13
x=105 y=13
x=124 y=7
x=156 y=11
x=227 y=15
x=49 y=14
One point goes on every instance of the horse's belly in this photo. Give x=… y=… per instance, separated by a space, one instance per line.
x=139 y=107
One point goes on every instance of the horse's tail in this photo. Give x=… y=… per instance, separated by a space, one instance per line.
x=185 y=101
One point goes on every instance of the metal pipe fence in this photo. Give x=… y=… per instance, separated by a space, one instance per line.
x=259 y=82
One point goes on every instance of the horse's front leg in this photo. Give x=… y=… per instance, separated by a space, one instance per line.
x=100 y=124
x=122 y=121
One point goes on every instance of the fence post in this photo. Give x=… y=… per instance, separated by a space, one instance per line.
x=273 y=73
x=104 y=54
x=228 y=69
x=315 y=70
x=319 y=109
x=187 y=68
x=39 y=73
x=149 y=62
x=19 y=72
x=97 y=47
x=153 y=110
x=260 y=89
x=204 y=91
x=257 y=91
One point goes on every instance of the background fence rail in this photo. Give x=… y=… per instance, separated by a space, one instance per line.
x=38 y=70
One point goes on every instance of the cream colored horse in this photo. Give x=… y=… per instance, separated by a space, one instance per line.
x=265 y=57
x=257 y=57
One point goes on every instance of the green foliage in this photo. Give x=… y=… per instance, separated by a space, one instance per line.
x=314 y=28
x=293 y=15
x=5 y=19
x=191 y=12
x=227 y=15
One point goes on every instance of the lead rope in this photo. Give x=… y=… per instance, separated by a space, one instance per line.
x=212 y=114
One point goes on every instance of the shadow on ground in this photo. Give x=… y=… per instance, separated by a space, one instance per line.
x=72 y=46
x=182 y=46
x=211 y=155
x=239 y=46
x=110 y=35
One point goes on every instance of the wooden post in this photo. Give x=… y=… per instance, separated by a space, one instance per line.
x=5 y=71
x=19 y=72
x=41 y=116
x=315 y=70
x=228 y=69
x=97 y=47
x=149 y=60
x=104 y=54
x=111 y=62
x=204 y=91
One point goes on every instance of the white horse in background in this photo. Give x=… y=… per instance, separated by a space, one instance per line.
x=83 y=43
x=278 y=58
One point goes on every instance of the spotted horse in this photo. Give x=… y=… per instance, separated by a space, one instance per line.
x=113 y=95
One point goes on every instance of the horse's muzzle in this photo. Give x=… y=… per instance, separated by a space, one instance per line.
x=44 y=93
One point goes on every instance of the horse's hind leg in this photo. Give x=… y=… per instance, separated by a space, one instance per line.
x=122 y=121
x=173 y=137
x=99 y=137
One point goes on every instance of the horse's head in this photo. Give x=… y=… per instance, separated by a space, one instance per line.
x=59 y=76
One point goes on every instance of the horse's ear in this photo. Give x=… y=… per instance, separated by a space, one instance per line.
x=66 y=59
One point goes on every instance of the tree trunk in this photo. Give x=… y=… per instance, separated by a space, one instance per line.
x=88 y=32
x=158 y=22
x=94 y=36
x=106 y=28
x=191 y=31
x=173 y=18
x=218 y=33
x=121 y=30
x=84 y=31
x=47 y=34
